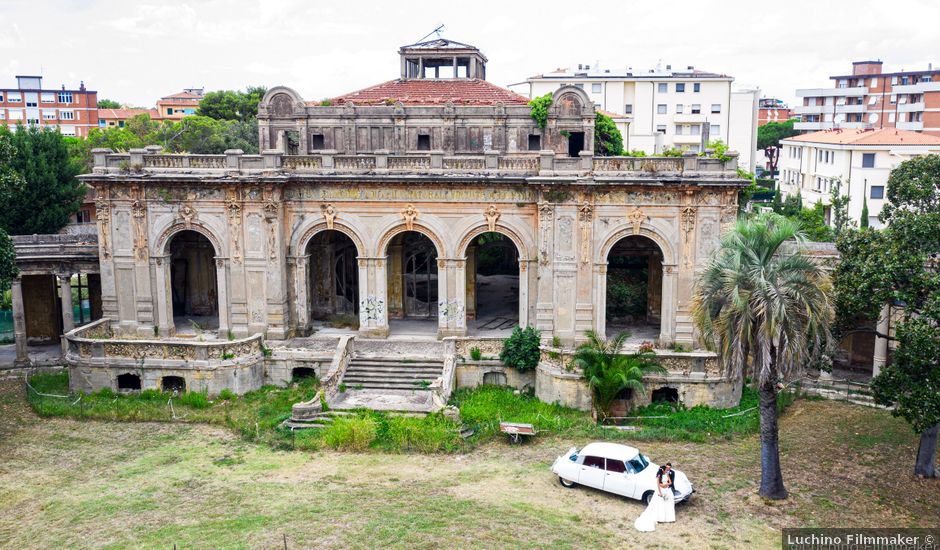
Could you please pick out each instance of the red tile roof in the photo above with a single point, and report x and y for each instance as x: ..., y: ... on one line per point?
x: 881, y: 136
x: 432, y: 92
x: 183, y: 95
x: 124, y: 114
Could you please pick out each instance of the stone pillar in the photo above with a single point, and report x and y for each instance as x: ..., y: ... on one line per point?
x: 162, y: 283
x: 301, y: 284
x: 881, y: 344
x: 452, y: 281
x: 667, y: 330
x: 19, y: 324
x: 470, y: 278
x: 600, y: 299
x: 65, y: 295
x: 68, y: 314
x: 222, y: 295
x: 396, y: 292
x: 524, y: 266
x: 373, y: 313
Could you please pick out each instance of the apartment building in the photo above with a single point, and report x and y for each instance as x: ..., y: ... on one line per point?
x: 178, y: 106
x: 861, y: 159
x: 664, y: 108
x: 870, y: 98
x: 116, y: 118
x: 771, y: 109
x: 74, y: 112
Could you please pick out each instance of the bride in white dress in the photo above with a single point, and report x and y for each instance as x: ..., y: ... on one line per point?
x: 662, y: 505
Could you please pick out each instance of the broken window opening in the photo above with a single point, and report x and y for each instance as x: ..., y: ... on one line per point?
x: 575, y: 144
x: 666, y: 395
x: 173, y: 384
x: 333, y: 279
x: 424, y: 142
x: 317, y: 142
x: 535, y: 142
x: 128, y: 381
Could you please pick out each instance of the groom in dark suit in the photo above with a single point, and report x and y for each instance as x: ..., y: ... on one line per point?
x: 671, y: 474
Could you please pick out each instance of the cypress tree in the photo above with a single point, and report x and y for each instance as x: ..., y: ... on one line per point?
x: 864, y: 221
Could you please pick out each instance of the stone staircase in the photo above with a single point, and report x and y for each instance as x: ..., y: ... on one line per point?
x: 392, y: 373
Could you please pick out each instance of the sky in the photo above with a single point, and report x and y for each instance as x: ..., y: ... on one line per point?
x: 136, y: 51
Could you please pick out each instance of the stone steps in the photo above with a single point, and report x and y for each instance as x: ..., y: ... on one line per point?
x: 392, y: 373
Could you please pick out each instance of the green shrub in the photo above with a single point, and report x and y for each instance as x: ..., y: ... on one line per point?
x: 539, y: 109
x: 226, y: 394
x: 350, y: 434
x: 521, y: 349
x: 195, y: 399
x: 476, y: 354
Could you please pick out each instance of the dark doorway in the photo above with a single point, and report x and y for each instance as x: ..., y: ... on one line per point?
x: 634, y: 288
x: 412, y: 276
x: 575, y: 144
x: 174, y: 384
x: 492, y: 283
x: 333, y: 279
x: 193, y: 282
x: 128, y: 381
x: 666, y: 395
x: 302, y: 373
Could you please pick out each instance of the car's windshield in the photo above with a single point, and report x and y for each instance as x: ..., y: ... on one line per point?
x: 638, y: 463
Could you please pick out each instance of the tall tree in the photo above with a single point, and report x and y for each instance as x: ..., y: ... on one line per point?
x: 11, y: 184
x: 108, y: 104
x: 863, y: 219
x: 608, y: 142
x: 232, y: 105
x: 899, y: 265
x: 761, y: 307
x: 50, y: 193
x: 768, y: 139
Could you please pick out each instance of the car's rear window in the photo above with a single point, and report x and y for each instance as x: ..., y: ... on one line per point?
x: 616, y: 466
x: 594, y: 461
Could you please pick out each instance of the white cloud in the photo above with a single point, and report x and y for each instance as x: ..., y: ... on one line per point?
x: 137, y: 52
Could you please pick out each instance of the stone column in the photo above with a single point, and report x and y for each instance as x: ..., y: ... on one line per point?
x: 600, y: 299
x: 524, y: 266
x: 161, y: 268
x: 301, y: 284
x: 470, y: 282
x: 65, y: 295
x: 396, y: 293
x: 222, y: 289
x: 19, y: 324
x: 667, y: 330
x: 881, y: 344
x: 452, y: 280
x: 373, y: 301
x: 68, y: 314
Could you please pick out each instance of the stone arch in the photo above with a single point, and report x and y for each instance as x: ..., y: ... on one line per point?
x: 418, y: 227
x: 280, y: 102
x: 163, y: 242
x: 670, y: 260
x: 305, y: 232
x: 646, y: 230
x: 571, y: 101
x: 502, y: 228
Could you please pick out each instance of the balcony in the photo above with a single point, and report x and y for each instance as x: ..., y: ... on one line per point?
x: 152, y: 164
x: 918, y: 88
x: 812, y: 109
x: 911, y: 107
x: 688, y: 117
x: 858, y: 91
x: 818, y: 125
x: 850, y: 108
x: 914, y: 126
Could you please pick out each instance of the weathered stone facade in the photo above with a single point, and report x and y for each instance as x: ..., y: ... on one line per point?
x: 402, y: 185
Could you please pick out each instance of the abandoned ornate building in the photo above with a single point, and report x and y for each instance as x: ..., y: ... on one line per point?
x: 417, y: 218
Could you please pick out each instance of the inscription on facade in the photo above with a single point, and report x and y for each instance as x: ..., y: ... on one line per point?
x: 412, y: 194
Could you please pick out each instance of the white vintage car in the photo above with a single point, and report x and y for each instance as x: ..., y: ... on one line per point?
x: 618, y: 469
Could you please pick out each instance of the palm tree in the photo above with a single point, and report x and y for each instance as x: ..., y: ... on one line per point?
x: 759, y: 306
x: 608, y: 371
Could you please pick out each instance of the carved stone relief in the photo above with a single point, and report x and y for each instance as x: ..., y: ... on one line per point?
x: 409, y: 214
x: 491, y: 215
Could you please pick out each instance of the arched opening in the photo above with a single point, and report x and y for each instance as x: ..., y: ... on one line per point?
x: 665, y: 395
x: 299, y: 374
x: 128, y: 381
x: 174, y: 384
x: 492, y: 284
x: 635, y: 288
x: 495, y: 378
x: 412, y: 283
x: 193, y: 283
x: 333, y: 280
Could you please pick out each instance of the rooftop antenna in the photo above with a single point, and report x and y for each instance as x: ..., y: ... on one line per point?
x: 436, y: 31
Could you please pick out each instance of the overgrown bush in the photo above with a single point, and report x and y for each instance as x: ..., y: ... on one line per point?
x: 521, y: 349
x: 539, y: 106
x: 350, y: 434
x: 476, y: 354
x: 195, y: 399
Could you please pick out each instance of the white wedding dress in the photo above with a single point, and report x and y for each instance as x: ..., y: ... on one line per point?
x: 647, y: 520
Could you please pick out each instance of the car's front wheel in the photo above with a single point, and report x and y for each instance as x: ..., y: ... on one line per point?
x: 565, y: 483
x: 647, y: 496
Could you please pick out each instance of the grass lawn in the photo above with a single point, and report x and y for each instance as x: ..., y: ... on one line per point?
x: 77, y: 484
